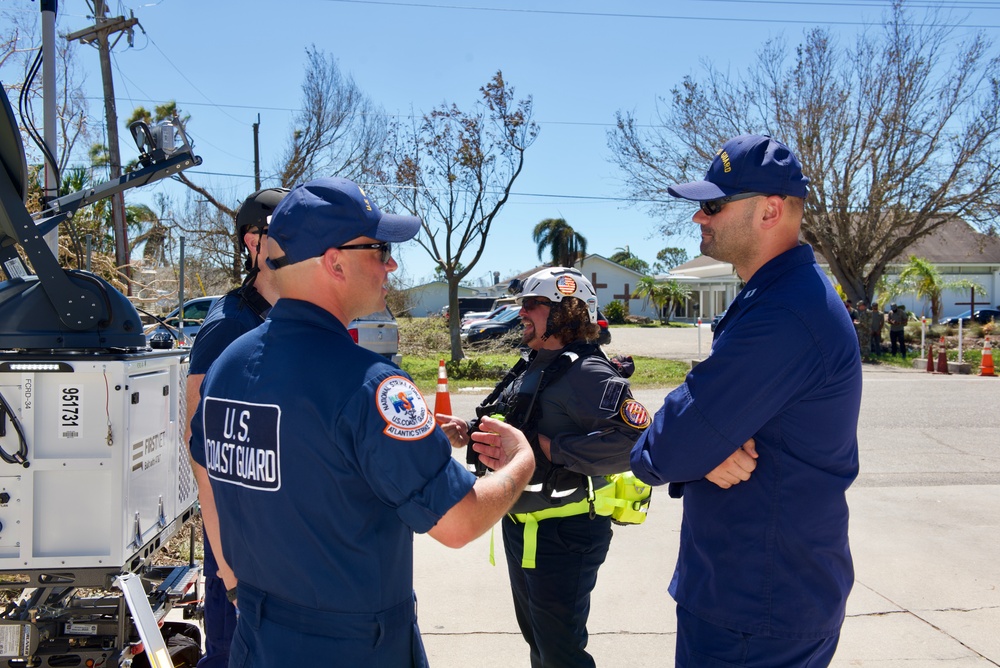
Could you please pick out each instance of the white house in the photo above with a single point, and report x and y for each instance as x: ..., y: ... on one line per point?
x: 614, y: 282
x: 713, y: 286
x: 432, y: 297
x: 956, y: 250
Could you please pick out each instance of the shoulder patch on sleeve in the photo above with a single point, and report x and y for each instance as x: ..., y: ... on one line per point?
x: 403, y: 408
x: 635, y: 414
x: 613, y: 390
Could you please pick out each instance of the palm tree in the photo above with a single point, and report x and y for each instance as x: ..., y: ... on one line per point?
x: 676, y: 294
x: 661, y: 295
x: 565, y: 245
x: 925, y: 280
x: 626, y: 258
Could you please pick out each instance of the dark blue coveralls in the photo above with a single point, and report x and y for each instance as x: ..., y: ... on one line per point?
x: 230, y: 317
x: 324, y: 459
x: 765, y: 566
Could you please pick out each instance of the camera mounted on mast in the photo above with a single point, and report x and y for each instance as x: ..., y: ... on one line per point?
x: 51, y: 308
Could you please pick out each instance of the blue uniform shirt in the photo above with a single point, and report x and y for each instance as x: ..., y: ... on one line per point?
x: 229, y: 318
x: 769, y: 555
x: 324, y: 459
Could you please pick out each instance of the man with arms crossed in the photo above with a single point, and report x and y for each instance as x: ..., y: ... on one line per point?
x: 764, y: 568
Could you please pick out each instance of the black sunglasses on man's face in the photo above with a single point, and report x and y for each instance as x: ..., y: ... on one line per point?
x: 714, y: 206
x: 384, y: 247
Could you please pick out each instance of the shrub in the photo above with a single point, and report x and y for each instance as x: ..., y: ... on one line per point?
x: 614, y: 312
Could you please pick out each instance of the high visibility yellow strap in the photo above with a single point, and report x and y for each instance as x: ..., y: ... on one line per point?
x: 530, y: 543
x: 604, y: 503
x: 493, y: 560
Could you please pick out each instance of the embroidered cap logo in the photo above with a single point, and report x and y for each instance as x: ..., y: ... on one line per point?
x: 727, y: 166
x: 368, y: 205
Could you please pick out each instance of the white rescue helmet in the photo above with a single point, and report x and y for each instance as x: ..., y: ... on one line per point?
x: 555, y: 284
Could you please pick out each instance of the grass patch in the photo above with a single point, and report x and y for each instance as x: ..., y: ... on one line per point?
x: 424, y: 342
x: 487, y: 370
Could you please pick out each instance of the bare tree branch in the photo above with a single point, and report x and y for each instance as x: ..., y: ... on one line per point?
x: 898, y: 132
x: 456, y: 170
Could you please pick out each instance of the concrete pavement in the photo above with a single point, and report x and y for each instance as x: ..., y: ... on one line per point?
x: 925, y: 533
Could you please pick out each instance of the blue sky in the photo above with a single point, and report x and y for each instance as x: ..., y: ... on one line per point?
x: 226, y: 61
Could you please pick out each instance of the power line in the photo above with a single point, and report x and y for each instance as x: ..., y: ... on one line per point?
x: 184, y: 76
x: 594, y: 198
x: 622, y: 15
x: 184, y: 105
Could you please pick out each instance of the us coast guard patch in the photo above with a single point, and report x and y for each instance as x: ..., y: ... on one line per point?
x: 635, y: 414
x: 242, y: 443
x: 403, y: 408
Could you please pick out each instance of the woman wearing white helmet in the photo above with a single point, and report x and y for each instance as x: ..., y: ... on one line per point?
x: 581, y: 420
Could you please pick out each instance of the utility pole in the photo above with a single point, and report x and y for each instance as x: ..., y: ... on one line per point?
x: 256, y: 154
x: 49, y: 66
x: 100, y: 32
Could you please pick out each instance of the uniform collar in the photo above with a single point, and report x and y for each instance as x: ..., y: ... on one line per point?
x: 303, y: 312
x: 774, y: 268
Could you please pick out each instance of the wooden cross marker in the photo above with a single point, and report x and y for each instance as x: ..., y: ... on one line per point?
x: 625, y: 297
x: 593, y: 281
x: 971, y: 303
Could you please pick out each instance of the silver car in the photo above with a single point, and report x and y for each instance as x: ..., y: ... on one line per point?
x: 379, y: 333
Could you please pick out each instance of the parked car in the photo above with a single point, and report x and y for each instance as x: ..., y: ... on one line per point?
x: 379, y: 333
x: 716, y: 320
x: 982, y: 316
x: 476, y: 316
x: 509, y: 320
x: 472, y: 317
x: 602, y: 322
x: 195, y: 310
x: 504, y: 323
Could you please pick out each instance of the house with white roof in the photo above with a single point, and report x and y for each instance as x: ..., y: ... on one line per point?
x: 956, y: 249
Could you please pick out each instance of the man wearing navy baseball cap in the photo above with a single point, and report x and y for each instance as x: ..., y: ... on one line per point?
x: 324, y: 458
x: 761, y: 439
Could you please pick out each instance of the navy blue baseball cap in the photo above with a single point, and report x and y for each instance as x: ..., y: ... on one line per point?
x: 747, y: 164
x: 329, y: 212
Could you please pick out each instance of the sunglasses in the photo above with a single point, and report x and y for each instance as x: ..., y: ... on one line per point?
x: 529, y: 303
x: 714, y: 206
x: 384, y: 247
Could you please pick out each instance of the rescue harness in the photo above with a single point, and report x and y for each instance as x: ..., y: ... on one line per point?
x: 624, y: 498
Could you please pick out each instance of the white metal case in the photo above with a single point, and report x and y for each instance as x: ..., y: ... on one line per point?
x: 108, y: 475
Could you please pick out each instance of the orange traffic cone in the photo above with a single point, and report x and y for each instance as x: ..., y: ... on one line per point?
x: 442, y: 400
x: 986, y: 367
x: 942, y: 363
x: 930, y: 359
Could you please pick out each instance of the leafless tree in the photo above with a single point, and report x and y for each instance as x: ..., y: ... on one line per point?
x: 898, y: 133
x: 211, y: 245
x: 455, y: 170
x: 18, y: 50
x: 338, y: 131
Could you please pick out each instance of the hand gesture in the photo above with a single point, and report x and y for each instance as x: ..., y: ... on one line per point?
x: 499, y: 444
x: 456, y: 429
x: 737, y: 467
